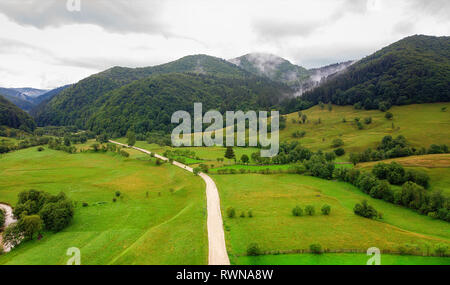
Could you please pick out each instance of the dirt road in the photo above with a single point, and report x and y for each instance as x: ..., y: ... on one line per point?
x: 216, y: 237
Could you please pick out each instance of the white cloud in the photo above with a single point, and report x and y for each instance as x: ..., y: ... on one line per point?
x: 43, y: 45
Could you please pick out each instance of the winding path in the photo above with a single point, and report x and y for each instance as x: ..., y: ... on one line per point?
x: 216, y: 237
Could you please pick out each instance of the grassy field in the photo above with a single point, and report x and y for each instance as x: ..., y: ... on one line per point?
x: 340, y: 259
x: 272, y: 197
x: 422, y: 125
x: 437, y: 166
x: 208, y: 155
x: 167, y: 226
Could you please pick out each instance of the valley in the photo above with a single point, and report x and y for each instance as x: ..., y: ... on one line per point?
x: 363, y: 162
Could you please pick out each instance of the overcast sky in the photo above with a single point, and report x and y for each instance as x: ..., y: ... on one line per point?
x: 44, y: 45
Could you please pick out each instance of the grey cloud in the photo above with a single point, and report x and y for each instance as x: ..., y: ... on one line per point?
x: 9, y: 46
x: 103, y: 63
x: 404, y: 28
x: 436, y: 8
x: 269, y: 29
x: 120, y: 16
x: 318, y: 56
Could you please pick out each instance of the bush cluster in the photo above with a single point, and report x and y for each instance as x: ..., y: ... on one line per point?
x: 411, y: 195
x: 392, y: 148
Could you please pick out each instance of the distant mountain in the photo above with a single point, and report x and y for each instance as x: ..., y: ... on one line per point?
x: 415, y: 69
x: 74, y: 105
x: 28, y: 98
x: 21, y: 100
x: 31, y: 92
x: 281, y: 70
x: 13, y: 117
x: 273, y: 67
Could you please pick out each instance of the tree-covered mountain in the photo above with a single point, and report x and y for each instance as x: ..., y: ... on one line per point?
x: 149, y: 103
x: 73, y: 106
x: 90, y: 103
x: 13, y: 117
x: 415, y: 69
x: 273, y: 67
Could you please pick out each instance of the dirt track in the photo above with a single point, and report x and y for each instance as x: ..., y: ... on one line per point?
x: 216, y: 237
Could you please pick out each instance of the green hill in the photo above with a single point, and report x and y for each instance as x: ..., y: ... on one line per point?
x: 77, y: 104
x: 148, y: 104
x: 12, y: 116
x: 415, y: 69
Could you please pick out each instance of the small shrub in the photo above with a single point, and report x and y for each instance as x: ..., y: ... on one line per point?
x: 250, y: 214
x: 309, y: 210
x: 297, y: 211
x: 85, y: 204
x: 365, y: 210
x: 40, y: 149
x: 242, y: 214
x: 389, y: 115
x: 326, y: 209
x: 339, y: 151
x: 231, y: 212
x: 337, y: 143
x: 440, y: 249
x: 253, y: 250
x: 118, y: 193
x: 316, y: 248
x: 368, y: 120
x: 114, y: 200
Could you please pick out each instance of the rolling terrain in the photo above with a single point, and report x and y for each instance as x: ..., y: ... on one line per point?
x: 153, y: 222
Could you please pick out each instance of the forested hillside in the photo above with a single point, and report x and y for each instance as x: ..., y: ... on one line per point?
x: 273, y: 67
x: 12, y: 116
x: 413, y: 70
x: 73, y: 106
x: 148, y: 104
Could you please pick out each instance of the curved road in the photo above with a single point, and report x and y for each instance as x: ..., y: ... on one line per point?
x: 216, y: 237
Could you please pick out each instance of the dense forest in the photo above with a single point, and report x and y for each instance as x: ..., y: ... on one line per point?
x: 74, y: 105
x: 148, y: 104
x: 12, y: 116
x: 413, y: 70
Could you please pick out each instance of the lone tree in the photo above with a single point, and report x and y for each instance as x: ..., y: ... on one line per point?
x: 229, y: 153
x: 304, y: 118
x: 330, y: 107
x: 389, y: 115
x: 244, y: 158
x: 131, y: 138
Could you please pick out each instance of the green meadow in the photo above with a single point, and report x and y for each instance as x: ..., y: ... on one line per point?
x: 422, y: 125
x: 271, y: 199
x: 159, y: 219
x: 340, y: 259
